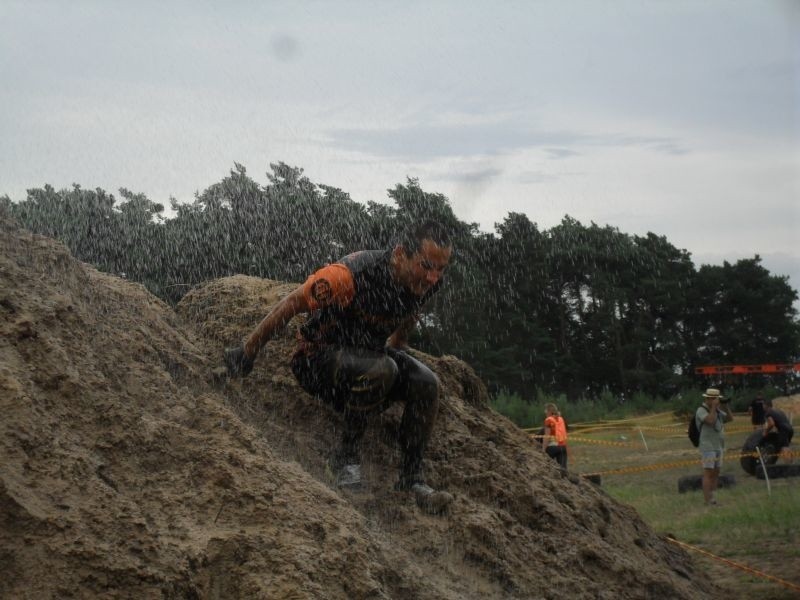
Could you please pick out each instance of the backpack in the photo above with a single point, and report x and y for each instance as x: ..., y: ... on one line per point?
x: 694, y: 431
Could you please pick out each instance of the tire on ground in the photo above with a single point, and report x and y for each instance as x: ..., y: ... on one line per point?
x: 749, y: 462
x: 779, y: 471
x: 690, y: 483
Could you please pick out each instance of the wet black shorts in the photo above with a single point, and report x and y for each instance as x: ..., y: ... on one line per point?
x: 356, y: 379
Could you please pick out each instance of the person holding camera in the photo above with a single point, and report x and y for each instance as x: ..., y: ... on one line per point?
x: 711, y: 417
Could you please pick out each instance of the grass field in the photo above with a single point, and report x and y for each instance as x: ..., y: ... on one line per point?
x: 749, y: 526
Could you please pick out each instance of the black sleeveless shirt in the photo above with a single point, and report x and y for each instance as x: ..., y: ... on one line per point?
x: 377, y: 308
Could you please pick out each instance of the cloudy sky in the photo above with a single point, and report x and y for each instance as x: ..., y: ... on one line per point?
x: 680, y: 118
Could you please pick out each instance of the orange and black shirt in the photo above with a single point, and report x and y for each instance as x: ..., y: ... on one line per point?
x: 356, y: 302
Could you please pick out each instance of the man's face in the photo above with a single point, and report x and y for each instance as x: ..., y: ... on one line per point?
x: 423, y: 269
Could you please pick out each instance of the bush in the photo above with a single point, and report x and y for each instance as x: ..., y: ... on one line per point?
x: 529, y: 412
x: 523, y: 413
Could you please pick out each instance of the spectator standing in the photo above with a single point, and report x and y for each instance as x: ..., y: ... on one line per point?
x: 756, y: 411
x: 710, y: 418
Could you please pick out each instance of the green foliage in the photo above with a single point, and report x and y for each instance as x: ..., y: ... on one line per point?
x: 579, y: 315
x: 740, y: 312
x: 529, y: 413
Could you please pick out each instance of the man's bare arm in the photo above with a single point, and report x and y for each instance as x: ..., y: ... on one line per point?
x: 711, y: 417
x: 728, y: 412
x: 279, y: 316
x: 769, y: 425
x: 399, y: 339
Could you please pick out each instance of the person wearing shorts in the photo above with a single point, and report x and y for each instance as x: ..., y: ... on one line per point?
x: 711, y: 417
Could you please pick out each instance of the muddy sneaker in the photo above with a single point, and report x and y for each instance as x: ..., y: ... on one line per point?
x: 431, y: 501
x: 349, y: 477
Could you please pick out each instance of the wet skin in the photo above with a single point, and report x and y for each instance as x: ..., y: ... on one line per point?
x: 423, y: 269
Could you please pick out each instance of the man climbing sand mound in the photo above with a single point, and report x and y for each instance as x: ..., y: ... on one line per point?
x: 352, y: 350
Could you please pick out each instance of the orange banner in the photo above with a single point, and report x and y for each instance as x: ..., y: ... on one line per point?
x: 746, y: 369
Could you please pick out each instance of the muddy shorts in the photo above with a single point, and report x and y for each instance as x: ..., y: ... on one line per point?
x: 360, y: 380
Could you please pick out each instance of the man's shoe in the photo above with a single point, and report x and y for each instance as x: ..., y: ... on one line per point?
x: 431, y: 501
x: 349, y: 477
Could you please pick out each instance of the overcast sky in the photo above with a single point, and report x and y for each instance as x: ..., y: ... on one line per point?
x: 680, y: 118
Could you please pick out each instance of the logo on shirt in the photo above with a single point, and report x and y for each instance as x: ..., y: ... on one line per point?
x: 321, y: 291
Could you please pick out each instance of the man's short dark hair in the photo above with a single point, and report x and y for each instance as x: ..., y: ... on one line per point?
x: 429, y: 230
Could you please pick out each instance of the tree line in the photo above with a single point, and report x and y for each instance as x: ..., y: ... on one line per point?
x: 578, y: 309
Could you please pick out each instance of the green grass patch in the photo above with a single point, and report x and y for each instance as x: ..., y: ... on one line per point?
x: 749, y: 526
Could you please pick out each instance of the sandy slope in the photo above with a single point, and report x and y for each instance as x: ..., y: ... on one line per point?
x: 127, y: 472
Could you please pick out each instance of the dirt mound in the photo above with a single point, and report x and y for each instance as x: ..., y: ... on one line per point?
x: 126, y: 472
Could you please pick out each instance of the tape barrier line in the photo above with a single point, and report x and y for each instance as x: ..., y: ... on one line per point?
x: 585, y: 440
x: 580, y: 440
x: 676, y: 428
x: 620, y: 427
x: 644, y: 468
x: 736, y: 565
x: 630, y: 423
x: 611, y: 422
x: 672, y: 465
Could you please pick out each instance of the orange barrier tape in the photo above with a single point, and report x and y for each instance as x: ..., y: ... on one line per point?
x: 643, y: 468
x: 739, y: 429
x: 610, y: 428
x: 584, y: 440
x: 611, y: 422
x: 745, y: 369
x: 737, y: 565
x: 538, y: 439
x: 677, y: 427
x: 672, y: 465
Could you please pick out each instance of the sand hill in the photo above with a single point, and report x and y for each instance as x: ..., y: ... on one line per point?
x: 127, y: 471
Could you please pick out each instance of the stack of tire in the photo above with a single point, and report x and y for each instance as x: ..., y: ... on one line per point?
x: 749, y: 460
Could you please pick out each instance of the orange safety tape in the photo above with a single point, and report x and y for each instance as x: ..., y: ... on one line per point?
x: 634, y: 428
x: 583, y: 440
x: 739, y: 429
x: 538, y: 438
x: 642, y: 468
x: 737, y: 565
x: 670, y: 428
x: 616, y: 423
x: 610, y: 422
x: 610, y: 428
x: 621, y: 426
x: 671, y: 465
